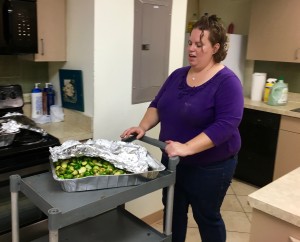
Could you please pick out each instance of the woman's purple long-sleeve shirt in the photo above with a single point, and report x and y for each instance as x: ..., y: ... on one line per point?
x: 215, y: 108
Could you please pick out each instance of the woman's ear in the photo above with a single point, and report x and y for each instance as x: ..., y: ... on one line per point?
x: 216, y: 48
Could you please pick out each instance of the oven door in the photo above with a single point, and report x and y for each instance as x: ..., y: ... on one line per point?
x: 33, y: 223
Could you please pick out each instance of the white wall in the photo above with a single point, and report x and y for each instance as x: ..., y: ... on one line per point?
x: 113, y: 45
x: 80, y: 50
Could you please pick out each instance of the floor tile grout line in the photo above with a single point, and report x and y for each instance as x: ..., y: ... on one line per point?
x: 243, y: 211
x: 236, y: 196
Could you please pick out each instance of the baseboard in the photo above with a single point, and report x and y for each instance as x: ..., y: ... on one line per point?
x: 154, y: 217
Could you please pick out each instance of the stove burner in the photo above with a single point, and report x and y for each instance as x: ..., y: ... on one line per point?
x: 11, y: 97
x: 28, y: 137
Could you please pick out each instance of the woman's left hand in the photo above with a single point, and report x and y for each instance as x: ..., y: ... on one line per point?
x: 174, y: 148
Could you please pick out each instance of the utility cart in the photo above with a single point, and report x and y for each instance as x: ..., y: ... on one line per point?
x: 96, y: 215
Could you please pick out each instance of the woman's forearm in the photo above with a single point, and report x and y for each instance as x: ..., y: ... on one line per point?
x: 150, y: 119
x: 199, y: 143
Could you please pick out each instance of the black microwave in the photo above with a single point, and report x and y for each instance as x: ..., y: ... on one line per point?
x: 18, y: 27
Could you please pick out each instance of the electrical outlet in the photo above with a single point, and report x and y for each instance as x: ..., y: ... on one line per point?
x: 27, y: 97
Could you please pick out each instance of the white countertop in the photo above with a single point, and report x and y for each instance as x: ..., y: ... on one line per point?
x: 281, y: 198
x: 76, y: 125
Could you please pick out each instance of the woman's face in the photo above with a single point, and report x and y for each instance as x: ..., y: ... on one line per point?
x: 200, y: 53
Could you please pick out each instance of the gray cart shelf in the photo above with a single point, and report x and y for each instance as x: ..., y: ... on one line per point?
x: 93, y: 215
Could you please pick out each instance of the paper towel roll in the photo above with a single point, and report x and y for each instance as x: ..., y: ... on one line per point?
x: 258, y: 84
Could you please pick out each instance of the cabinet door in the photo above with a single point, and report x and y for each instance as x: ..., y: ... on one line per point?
x: 287, y: 156
x: 274, y: 31
x: 51, y: 30
x: 267, y: 228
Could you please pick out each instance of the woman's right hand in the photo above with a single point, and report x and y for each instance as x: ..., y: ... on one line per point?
x: 133, y: 130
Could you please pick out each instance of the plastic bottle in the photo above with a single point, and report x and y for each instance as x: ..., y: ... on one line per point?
x: 269, y: 84
x: 50, y: 97
x: 36, y: 102
x: 45, y: 91
x: 279, y: 94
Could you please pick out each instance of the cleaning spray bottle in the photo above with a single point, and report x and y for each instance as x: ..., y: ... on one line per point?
x: 268, y: 86
x: 36, y: 102
x: 279, y: 93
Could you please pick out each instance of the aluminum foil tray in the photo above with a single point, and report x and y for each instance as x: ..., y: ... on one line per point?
x: 103, y: 181
x: 131, y: 157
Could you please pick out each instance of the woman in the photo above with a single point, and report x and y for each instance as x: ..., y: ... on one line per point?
x: 199, y: 108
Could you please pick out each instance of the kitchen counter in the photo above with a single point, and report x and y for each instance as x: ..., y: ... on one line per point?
x: 76, y: 125
x: 293, y: 102
x: 276, y: 213
x: 281, y: 198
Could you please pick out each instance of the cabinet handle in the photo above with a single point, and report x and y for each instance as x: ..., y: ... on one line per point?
x: 42, y: 47
x: 296, y: 54
x: 292, y: 239
x: 145, y: 46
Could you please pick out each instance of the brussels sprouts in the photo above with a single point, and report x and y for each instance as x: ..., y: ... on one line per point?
x: 77, y: 167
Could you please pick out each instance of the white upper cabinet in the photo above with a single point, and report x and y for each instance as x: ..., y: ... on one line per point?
x: 274, y: 33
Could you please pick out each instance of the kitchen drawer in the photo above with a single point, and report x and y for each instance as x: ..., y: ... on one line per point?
x: 290, y: 124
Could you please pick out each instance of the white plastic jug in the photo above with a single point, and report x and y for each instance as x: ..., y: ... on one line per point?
x: 279, y: 94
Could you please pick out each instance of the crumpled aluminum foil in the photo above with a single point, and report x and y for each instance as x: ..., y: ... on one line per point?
x: 128, y: 156
x: 9, y: 127
x: 13, y: 122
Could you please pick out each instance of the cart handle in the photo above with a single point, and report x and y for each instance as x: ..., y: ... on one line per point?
x: 162, y: 145
x: 146, y: 139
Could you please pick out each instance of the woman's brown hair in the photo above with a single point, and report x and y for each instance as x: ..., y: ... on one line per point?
x: 217, y: 34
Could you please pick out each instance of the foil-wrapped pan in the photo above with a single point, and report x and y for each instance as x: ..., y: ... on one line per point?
x: 13, y: 122
x: 128, y: 156
x: 131, y: 157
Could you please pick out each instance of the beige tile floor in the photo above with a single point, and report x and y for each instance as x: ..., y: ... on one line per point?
x: 236, y: 213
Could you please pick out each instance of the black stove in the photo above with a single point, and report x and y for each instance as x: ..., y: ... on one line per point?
x: 27, y: 155
x: 29, y: 148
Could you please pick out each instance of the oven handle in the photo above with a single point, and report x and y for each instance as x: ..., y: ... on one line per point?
x: 14, y: 190
x: 4, y: 177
